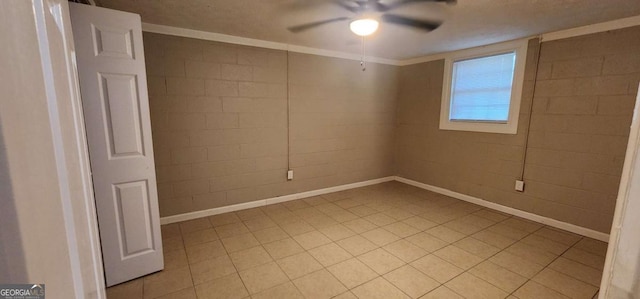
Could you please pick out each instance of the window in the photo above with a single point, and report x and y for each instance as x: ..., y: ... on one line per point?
x: 482, y: 89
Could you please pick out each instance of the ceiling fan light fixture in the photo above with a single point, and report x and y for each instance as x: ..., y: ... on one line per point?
x: 364, y: 27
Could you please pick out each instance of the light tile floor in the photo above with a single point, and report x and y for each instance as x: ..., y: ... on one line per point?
x: 383, y: 241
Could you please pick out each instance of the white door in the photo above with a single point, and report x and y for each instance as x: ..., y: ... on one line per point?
x: 113, y: 86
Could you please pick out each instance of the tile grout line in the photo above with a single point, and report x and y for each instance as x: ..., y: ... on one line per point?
x: 275, y: 261
x: 428, y: 253
x: 229, y: 255
x: 422, y: 231
x: 502, y: 250
x: 193, y: 283
x: 380, y: 247
x: 399, y: 204
x: 519, y: 240
x: 292, y: 237
x: 561, y: 255
x: 465, y: 271
x: 306, y: 251
x: 353, y: 256
x: 531, y: 279
x: 545, y: 267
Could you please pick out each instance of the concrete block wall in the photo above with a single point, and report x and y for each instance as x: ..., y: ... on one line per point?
x: 584, y: 98
x: 478, y: 164
x: 219, y: 122
x: 582, y: 112
x: 219, y: 118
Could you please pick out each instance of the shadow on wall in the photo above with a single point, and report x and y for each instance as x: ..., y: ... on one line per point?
x: 12, y: 269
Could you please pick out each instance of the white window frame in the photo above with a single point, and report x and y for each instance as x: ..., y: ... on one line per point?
x: 511, y: 125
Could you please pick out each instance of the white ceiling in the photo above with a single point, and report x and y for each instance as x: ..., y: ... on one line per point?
x: 469, y: 23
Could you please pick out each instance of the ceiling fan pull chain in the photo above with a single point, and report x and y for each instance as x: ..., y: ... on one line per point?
x: 362, y: 63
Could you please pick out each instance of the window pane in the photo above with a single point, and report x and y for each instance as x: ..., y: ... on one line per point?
x: 481, y: 88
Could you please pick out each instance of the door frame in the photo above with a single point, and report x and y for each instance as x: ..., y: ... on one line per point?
x: 623, y: 247
x: 59, y: 70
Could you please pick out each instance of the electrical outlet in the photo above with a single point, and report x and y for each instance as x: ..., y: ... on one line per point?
x: 290, y: 175
x: 519, y: 185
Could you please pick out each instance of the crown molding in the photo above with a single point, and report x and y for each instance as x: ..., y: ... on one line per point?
x: 423, y: 59
x: 594, y: 28
x: 440, y: 56
x: 244, y: 41
x: 545, y: 37
x: 231, y: 39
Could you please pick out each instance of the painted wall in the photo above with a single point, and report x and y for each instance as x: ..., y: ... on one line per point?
x: 584, y: 97
x: 219, y: 118
x: 219, y: 115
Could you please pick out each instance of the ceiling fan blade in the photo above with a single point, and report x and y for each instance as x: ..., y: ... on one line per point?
x: 420, y: 24
x: 403, y: 2
x: 343, y: 4
x: 362, y: 5
x: 352, y: 6
x: 302, y: 4
x: 299, y: 28
x: 379, y: 7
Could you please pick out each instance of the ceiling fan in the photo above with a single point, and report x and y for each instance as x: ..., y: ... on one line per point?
x: 368, y: 12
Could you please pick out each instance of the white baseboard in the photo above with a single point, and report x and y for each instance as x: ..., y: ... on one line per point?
x: 274, y: 200
x: 269, y: 201
x: 498, y: 207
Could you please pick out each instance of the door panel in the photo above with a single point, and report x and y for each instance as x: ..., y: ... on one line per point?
x: 121, y: 103
x: 113, y: 42
x: 132, y: 200
x: 113, y: 85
